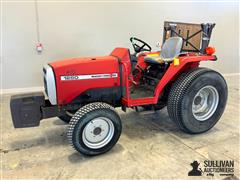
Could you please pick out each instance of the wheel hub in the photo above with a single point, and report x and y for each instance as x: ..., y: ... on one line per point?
x: 205, y: 103
x: 197, y: 100
x: 97, y: 131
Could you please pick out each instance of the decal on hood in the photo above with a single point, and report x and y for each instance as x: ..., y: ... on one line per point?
x: 89, y: 76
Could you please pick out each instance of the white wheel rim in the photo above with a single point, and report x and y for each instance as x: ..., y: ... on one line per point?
x: 98, y: 132
x: 205, y: 103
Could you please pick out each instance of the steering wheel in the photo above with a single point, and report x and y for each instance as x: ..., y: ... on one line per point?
x: 139, y: 47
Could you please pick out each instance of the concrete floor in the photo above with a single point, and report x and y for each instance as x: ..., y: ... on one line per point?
x: 151, y: 146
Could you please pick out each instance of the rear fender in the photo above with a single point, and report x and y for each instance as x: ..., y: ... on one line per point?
x: 173, y: 72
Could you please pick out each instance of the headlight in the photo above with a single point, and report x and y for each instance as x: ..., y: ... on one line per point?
x: 49, y: 84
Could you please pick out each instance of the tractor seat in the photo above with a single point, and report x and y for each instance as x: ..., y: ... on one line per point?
x: 170, y: 49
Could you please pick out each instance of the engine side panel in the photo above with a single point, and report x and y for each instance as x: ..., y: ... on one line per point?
x: 75, y: 76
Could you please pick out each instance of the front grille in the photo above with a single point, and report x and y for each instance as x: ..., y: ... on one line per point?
x: 45, y: 81
x: 49, y: 84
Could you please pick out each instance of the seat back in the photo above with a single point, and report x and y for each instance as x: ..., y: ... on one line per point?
x: 171, y: 48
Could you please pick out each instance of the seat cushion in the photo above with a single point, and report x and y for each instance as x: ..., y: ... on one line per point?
x: 153, y: 59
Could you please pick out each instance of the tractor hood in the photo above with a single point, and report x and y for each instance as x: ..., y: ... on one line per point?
x: 77, y: 75
x: 77, y: 64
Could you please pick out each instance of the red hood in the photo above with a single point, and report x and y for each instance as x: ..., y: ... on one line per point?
x: 77, y: 61
x: 67, y: 90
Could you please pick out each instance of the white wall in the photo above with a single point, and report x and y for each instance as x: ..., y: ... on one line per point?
x: 84, y: 29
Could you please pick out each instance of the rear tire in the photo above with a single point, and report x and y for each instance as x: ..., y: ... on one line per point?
x: 94, y: 129
x: 197, y: 100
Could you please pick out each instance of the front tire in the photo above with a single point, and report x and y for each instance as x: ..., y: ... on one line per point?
x: 197, y: 100
x: 94, y: 129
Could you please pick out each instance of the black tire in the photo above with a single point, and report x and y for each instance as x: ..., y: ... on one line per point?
x: 181, y: 96
x: 83, y: 117
x: 67, y: 117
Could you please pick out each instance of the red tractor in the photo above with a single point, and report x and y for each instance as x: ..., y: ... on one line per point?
x: 84, y: 91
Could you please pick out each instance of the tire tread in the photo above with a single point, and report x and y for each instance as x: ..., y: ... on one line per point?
x: 177, y: 93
